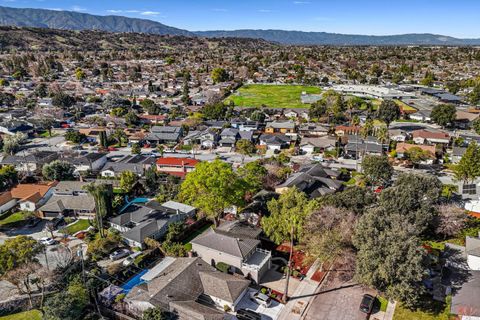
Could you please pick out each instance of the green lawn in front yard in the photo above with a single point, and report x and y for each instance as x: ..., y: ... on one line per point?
x: 81, y: 224
x: 273, y: 96
x: 14, y: 219
x: 436, y: 311
x: 383, y: 303
x: 27, y: 315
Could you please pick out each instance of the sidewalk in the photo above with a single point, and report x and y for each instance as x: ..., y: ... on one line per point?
x: 390, y: 310
x: 301, y: 297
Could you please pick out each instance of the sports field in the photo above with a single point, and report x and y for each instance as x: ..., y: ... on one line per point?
x: 272, y: 96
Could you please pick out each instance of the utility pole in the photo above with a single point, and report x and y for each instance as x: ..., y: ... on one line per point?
x: 289, y: 266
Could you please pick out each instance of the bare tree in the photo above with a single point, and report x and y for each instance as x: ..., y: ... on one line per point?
x: 450, y: 220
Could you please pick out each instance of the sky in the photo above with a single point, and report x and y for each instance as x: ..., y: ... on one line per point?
x: 459, y: 18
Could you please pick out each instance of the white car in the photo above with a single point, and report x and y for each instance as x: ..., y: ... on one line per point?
x: 119, y: 254
x: 130, y: 259
x: 47, y: 241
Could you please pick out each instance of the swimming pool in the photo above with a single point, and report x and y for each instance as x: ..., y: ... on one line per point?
x: 134, y: 281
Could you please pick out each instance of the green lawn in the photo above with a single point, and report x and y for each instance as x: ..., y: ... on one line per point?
x: 436, y: 311
x: 81, y: 224
x: 13, y: 219
x: 27, y: 315
x: 273, y: 96
x: 383, y: 303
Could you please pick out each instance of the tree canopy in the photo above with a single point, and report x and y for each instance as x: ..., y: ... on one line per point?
x: 377, y: 169
x: 388, y: 111
x: 58, y: 170
x: 444, y: 114
x: 468, y: 169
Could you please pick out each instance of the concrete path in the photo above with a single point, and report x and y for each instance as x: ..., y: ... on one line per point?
x: 390, y: 310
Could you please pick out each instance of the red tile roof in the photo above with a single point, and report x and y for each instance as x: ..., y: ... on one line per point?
x: 173, y: 161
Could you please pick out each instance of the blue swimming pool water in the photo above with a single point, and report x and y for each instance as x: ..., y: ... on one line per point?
x: 134, y: 281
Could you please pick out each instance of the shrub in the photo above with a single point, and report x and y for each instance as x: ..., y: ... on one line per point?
x: 226, y: 308
x: 120, y: 297
x: 222, y: 266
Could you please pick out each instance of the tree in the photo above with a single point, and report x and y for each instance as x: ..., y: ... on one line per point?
x: 390, y: 257
x: 216, y: 111
x: 169, y: 189
x: 355, y: 199
x: 63, y: 100
x: 119, y: 135
x: 18, y: 263
x: 150, y: 106
x: 75, y: 136
x: 128, y: 179
x: 80, y: 74
x: 474, y: 96
x: 103, y: 140
x: 8, y: 177
x: 103, y: 196
x: 58, y: 170
x: 212, y: 187
x: 136, y: 149
x: 154, y: 314
x: 62, y: 306
x: 388, y: 111
x: 253, y: 174
x: 450, y: 220
x: 468, y: 169
x: 186, y: 94
x: 245, y: 148
x: 377, y: 169
x: 219, y: 75
x: 328, y: 233
x: 131, y: 118
x: 417, y: 155
x: 289, y: 211
x: 444, y: 114
x: 11, y: 143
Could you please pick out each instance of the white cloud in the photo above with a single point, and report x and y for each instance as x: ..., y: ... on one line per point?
x: 219, y: 10
x: 149, y: 13
x: 301, y: 2
x: 264, y: 10
x: 78, y: 8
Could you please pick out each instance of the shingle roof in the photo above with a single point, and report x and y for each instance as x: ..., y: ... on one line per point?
x: 60, y: 203
x: 222, y: 285
x: 221, y: 242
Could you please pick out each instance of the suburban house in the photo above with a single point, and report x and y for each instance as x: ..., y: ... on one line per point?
x: 347, y: 130
x: 397, y: 135
x: 151, y: 220
x: 229, y: 136
x: 430, y: 137
x: 207, y: 138
x: 275, y: 141
x: 357, y: 146
x: 30, y: 197
x: 465, y: 302
x: 92, y: 134
x: 176, y: 166
x: 137, y: 164
x: 236, y: 244
x: 284, y: 127
x: 7, y: 202
x: 457, y: 154
x: 164, y: 135
x: 30, y: 164
x: 422, y: 116
x: 403, y: 148
x: 11, y: 127
x: 188, y: 287
x: 69, y: 198
x: 90, y: 162
x: 313, y: 179
x: 313, y: 130
x: 320, y: 144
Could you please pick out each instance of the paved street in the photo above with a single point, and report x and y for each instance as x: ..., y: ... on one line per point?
x: 339, y: 301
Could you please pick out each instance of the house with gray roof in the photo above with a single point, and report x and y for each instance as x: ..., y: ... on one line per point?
x: 164, y: 134
x: 237, y: 245
x: 190, y: 288
x: 151, y: 220
x: 137, y: 164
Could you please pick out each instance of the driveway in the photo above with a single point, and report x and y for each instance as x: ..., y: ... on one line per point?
x: 339, y: 301
x: 270, y: 313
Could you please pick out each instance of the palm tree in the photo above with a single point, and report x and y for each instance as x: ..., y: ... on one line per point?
x: 367, y: 128
x: 103, y: 196
x: 119, y: 135
x: 382, y: 135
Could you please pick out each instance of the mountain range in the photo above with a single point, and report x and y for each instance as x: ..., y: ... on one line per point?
x: 70, y: 20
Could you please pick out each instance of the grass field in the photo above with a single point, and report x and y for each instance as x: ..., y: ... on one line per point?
x: 13, y: 219
x: 437, y: 311
x: 273, y: 96
x: 27, y: 315
x: 405, y: 107
x: 80, y: 225
x: 383, y: 303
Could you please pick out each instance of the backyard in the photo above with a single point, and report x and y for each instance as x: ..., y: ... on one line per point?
x: 273, y: 96
x: 79, y: 225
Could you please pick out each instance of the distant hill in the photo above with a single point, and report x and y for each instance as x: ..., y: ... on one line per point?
x: 70, y: 20
x: 324, y: 38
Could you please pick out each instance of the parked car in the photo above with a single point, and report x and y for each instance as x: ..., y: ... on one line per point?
x: 366, y: 305
x: 261, y: 299
x: 130, y: 259
x: 247, y: 314
x: 47, y: 241
x: 119, y: 254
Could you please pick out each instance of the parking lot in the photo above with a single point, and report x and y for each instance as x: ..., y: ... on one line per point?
x: 339, y: 301
x: 270, y: 313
